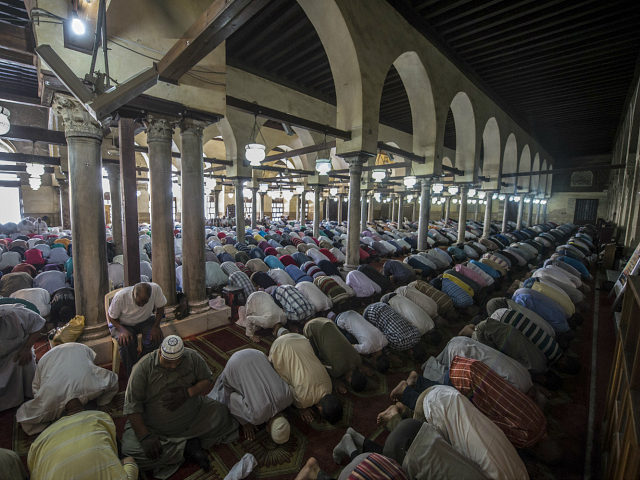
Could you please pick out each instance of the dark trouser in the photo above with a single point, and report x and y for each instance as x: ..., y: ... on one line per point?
x: 397, y: 443
x: 129, y: 353
x: 412, y: 392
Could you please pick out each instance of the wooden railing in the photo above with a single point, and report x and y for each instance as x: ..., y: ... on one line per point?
x: 622, y: 415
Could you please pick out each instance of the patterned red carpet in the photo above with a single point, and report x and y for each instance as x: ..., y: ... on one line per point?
x: 567, y: 412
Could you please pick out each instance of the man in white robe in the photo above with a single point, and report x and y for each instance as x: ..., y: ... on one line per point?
x: 19, y: 329
x: 64, y: 373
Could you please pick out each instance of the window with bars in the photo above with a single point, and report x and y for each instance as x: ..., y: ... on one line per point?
x: 277, y: 208
x: 247, y: 209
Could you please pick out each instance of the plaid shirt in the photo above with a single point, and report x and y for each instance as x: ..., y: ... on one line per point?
x: 532, y: 331
x: 402, y: 335
x: 229, y: 267
x: 512, y: 411
x: 241, y: 280
x: 294, y: 303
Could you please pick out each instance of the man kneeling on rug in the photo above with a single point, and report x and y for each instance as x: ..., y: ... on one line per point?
x: 170, y: 418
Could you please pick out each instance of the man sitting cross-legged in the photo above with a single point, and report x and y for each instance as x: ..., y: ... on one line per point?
x: 293, y: 358
x: 170, y: 418
x: 254, y: 393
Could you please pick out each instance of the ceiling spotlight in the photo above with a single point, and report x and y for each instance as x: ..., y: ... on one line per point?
x: 77, y: 25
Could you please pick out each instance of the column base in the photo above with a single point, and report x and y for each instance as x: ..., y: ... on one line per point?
x: 93, y: 332
x: 169, y: 312
x: 349, y: 268
x: 199, y: 306
x: 194, y: 324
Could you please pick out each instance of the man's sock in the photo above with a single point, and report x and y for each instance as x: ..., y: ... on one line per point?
x: 358, y: 438
x: 344, y: 448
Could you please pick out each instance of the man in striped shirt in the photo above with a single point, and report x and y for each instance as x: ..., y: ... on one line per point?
x: 512, y: 411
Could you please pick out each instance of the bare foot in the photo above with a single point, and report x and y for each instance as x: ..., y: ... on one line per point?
x: 309, y: 471
x: 307, y: 415
x: 255, y: 339
x: 396, y: 393
x: 387, y: 415
x: 413, y: 378
x: 341, y: 388
x: 402, y: 408
x: 249, y: 431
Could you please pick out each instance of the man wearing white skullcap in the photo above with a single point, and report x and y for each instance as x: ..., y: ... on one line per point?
x: 170, y: 417
x: 253, y: 391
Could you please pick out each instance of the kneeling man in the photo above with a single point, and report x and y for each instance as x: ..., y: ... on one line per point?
x: 170, y: 418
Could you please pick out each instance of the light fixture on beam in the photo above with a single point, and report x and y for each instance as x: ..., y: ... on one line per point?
x: 378, y: 174
x: 543, y: 202
x: 287, y: 195
x: 437, y: 188
x: 536, y: 201
x: 323, y: 166
x: 482, y: 194
x: 299, y: 189
x: 516, y: 198
x: 454, y: 200
x: 494, y: 196
x: 453, y: 190
x: 263, y: 187
x: 434, y: 200
x: 333, y: 191
x: 5, y: 124
x: 230, y: 194
x: 501, y: 197
x: 255, y: 152
x: 409, y: 198
x: 410, y: 181
x: 527, y: 200
x: 472, y: 192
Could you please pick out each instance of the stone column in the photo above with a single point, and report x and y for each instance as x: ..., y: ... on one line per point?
x: 328, y: 208
x: 262, y: 206
x: 254, y: 207
x: 462, y: 218
x: 193, y: 270
x: 65, y: 214
x: 239, y: 199
x: 339, y: 209
x: 393, y: 208
x: 414, y: 203
x: 353, y: 216
x: 370, y: 205
x: 486, y: 228
x: 159, y: 135
x: 216, y: 206
x: 400, y: 209
x: 538, y: 213
x: 544, y: 213
x: 447, y: 209
x: 504, y: 214
x: 113, y: 172
x: 303, y: 204
x: 520, y: 209
x: 317, y: 210
x: 425, y: 209
x: 91, y: 282
x: 363, y: 210
x: 530, y: 213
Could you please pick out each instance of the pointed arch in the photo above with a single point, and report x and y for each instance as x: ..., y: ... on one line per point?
x: 524, y: 166
x: 465, y: 124
x: 492, y: 150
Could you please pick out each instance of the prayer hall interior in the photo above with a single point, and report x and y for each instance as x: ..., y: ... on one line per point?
x: 319, y: 239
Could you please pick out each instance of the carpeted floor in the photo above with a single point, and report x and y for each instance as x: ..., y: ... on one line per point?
x: 566, y: 410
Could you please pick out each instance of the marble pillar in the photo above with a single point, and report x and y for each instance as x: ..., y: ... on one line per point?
x: 400, y: 210
x: 327, y: 204
x: 393, y: 208
x: 91, y: 281
x: 159, y: 135
x: 353, y: 215
x: 538, y: 213
x: 239, y: 199
x: 303, y: 205
x: 262, y: 195
x: 254, y: 207
x: 486, y: 228
x: 317, y: 210
x: 462, y: 214
x: 544, y: 213
x: 65, y: 213
x: 520, y: 210
x: 447, y: 210
x: 193, y: 268
x: 504, y: 214
x: 425, y: 209
x: 414, y: 204
x: 113, y: 172
x: 339, y: 209
x: 370, y: 205
x: 363, y: 210
x: 530, y: 213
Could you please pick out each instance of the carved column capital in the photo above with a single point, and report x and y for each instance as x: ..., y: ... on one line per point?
x: 77, y: 121
x: 189, y: 126
x: 159, y: 129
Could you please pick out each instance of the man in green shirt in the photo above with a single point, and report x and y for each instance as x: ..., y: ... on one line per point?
x: 170, y: 418
x: 336, y: 353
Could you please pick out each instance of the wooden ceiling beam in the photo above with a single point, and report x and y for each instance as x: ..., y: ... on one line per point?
x: 219, y: 21
x: 299, y: 151
x: 16, y: 44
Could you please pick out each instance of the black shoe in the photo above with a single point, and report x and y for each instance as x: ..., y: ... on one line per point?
x: 194, y: 452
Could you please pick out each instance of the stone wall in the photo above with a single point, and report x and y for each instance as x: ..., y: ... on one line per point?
x: 561, y: 206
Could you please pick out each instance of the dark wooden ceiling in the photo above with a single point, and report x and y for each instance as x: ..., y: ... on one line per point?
x: 561, y: 68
